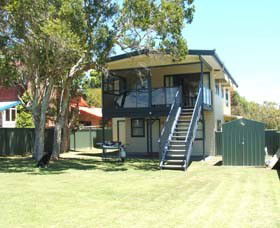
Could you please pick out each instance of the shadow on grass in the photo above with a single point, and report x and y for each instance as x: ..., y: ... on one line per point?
x: 219, y: 163
x: 28, y: 165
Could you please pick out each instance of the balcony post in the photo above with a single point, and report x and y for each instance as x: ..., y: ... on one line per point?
x: 149, y: 88
x: 103, y: 120
x: 202, y: 108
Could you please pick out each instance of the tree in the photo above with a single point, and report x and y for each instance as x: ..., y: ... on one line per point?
x: 56, y: 41
x: 268, y: 112
x: 42, y: 40
x: 24, y: 116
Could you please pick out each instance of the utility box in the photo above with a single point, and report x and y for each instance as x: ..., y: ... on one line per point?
x: 243, y: 143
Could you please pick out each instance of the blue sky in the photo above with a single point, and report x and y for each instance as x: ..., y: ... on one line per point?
x: 246, y: 36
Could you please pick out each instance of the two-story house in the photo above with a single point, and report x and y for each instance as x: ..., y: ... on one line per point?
x: 173, y: 108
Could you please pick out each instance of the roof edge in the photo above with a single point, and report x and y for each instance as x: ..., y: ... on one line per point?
x: 191, y: 52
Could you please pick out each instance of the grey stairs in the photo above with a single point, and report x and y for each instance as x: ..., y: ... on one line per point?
x: 176, y: 153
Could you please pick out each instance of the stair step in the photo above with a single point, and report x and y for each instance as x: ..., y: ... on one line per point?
x: 175, y: 167
x: 182, y: 125
x: 174, y: 162
x: 176, y: 141
x: 178, y: 156
x: 175, y: 150
x: 176, y: 146
x: 176, y: 136
x: 185, y: 117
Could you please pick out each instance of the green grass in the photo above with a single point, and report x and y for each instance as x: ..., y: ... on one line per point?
x: 86, y: 192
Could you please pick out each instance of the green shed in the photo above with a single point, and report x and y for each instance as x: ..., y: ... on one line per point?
x: 243, y: 143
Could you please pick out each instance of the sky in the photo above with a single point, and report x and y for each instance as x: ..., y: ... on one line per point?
x: 246, y: 36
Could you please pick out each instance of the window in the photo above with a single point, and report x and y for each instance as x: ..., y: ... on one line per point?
x: 219, y: 125
x: 169, y: 81
x: 10, y: 114
x: 137, y: 127
x: 13, y: 115
x: 227, y: 97
x: 112, y: 85
x: 217, y: 88
x: 7, y: 115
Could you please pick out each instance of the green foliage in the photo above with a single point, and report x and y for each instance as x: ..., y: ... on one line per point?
x: 268, y: 112
x: 94, y: 97
x: 24, y: 116
x: 94, y: 79
x: 152, y: 24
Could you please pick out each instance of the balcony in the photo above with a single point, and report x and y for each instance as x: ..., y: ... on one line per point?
x: 139, y: 102
x: 145, y: 102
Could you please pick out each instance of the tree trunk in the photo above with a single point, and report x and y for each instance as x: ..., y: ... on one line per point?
x: 65, y: 144
x: 64, y: 105
x: 40, y: 113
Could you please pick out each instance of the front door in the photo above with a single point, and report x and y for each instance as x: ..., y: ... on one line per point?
x: 153, y: 134
x: 121, y: 131
x: 189, y: 84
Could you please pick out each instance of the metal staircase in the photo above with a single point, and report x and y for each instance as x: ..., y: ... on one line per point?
x: 180, y: 127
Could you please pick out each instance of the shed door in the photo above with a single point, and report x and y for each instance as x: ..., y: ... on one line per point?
x: 242, y: 155
x: 243, y: 143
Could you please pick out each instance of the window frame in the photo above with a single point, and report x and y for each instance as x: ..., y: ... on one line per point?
x: 217, y: 88
x: 132, y: 127
x: 10, y: 115
x: 227, y: 97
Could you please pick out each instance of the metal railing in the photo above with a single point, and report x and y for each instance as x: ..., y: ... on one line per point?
x: 169, y: 125
x: 143, y: 98
x: 190, y: 137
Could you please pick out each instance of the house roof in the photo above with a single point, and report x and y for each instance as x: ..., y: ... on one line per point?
x: 8, y: 94
x: 94, y: 112
x: 78, y: 102
x: 8, y: 104
x: 196, y: 52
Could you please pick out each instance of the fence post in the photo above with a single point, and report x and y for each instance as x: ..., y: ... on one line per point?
x: 90, y: 135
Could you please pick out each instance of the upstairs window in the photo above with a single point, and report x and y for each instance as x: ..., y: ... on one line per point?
x: 222, y: 92
x: 217, y: 87
x: 227, y: 97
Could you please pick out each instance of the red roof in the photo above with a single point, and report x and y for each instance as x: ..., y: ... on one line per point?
x: 8, y: 94
x: 78, y: 102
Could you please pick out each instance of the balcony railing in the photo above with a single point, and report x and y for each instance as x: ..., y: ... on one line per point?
x: 141, y: 98
x: 155, y: 98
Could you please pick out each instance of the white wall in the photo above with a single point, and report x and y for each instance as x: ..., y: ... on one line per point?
x: 136, y: 144
x: 11, y: 123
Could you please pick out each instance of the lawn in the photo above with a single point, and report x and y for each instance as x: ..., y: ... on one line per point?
x: 86, y: 192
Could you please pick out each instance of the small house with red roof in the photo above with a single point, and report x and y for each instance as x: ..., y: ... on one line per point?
x: 88, y: 116
x: 8, y: 111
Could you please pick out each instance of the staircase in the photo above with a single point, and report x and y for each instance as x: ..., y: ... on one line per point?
x: 178, y: 134
x: 176, y: 149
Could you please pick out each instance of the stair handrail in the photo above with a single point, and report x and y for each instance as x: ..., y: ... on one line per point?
x: 170, y: 124
x: 191, y: 133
